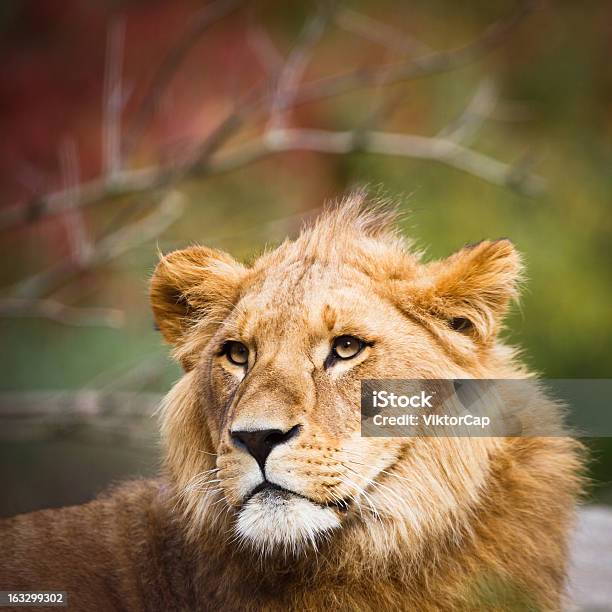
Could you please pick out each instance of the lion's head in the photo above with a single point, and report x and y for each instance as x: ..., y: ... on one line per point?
x: 262, y: 433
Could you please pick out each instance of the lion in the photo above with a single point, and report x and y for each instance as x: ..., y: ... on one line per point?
x: 270, y: 497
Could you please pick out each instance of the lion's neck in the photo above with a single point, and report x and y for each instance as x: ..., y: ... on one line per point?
x: 346, y: 571
x: 342, y: 570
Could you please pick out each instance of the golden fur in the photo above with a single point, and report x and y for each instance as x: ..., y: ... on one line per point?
x: 370, y: 523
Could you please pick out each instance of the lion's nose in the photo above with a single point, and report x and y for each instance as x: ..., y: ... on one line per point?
x: 260, y: 442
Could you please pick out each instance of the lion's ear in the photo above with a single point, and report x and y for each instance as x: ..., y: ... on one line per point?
x: 472, y: 289
x: 190, y: 284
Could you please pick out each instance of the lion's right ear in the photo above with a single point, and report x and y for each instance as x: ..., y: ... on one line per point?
x: 472, y: 289
x: 192, y: 284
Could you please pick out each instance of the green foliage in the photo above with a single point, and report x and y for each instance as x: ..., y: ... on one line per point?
x: 495, y: 593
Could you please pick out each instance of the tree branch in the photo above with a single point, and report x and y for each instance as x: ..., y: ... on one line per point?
x: 110, y: 247
x: 478, y: 110
x: 113, y: 99
x: 53, y: 310
x: 120, y: 415
x: 380, y: 33
x: 433, y: 63
x: 198, y: 25
x: 252, y: 105
x: 437, y: 149
x: 294, y: 68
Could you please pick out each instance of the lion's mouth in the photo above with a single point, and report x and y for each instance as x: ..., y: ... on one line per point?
x: 274, y: 490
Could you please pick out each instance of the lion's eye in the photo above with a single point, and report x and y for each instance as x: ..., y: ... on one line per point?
x: 460, y: 324
x: 236, y: 352
x: 347, y: 347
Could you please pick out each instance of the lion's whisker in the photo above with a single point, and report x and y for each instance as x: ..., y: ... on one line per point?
x: 363, y: 492
x: 379, y: 486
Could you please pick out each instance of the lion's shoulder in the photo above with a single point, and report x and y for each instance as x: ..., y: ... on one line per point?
x: 103, y: 550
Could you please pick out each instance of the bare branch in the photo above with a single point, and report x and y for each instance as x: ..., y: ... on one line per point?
x: 120, y: 415
x: 198, y: 25
x: 433, y: 63
x: 380, y: 33
x: 480, y: 108
x: 252, y: 105
x: 133, y: 377
x: 61, y: 313
x: 437, y: 149
x: 108, y: 248
x: 113, y: 99
x: 163, y: 216
x: 294, y: 68
x: 80, y: 246
x: 269, y: 56
x: 86, y: 403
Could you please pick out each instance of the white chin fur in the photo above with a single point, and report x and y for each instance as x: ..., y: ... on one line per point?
x: 273, y: 520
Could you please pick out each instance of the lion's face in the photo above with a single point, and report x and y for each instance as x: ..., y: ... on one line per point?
x: 263, y: 432
x: 285, y: 369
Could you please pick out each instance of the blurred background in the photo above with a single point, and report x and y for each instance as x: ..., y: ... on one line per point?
x: 131, y: 127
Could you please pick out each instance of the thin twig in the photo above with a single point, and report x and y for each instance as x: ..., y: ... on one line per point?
x: 269, y: 56
x: 202, y: 164
x: 113, y: 98
x: 437, y: 62
x: 108, y: 248
x: 198, y: 25
x: 120, y: 416
x: 61, y: 313
x: 87, y: 403
x: 380, y: 33
x: 479, y: 109
x: 73, y: 219
x: 134, y: 376
x: 293, y: 69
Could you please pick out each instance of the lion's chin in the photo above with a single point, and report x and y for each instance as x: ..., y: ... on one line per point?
x: 274, y: 520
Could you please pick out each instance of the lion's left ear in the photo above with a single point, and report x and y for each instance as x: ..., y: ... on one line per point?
x: 472, y: 289
x: 190, y: 284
